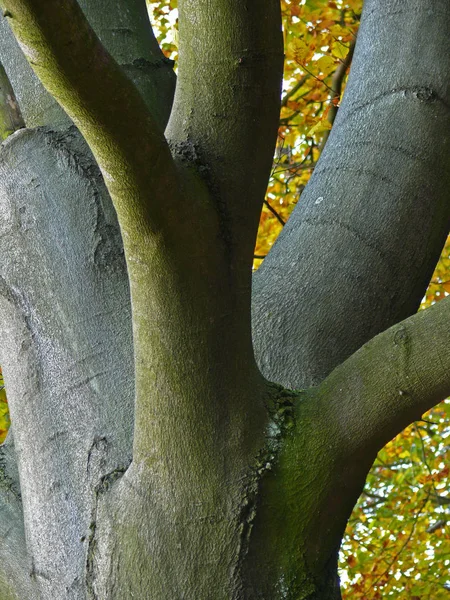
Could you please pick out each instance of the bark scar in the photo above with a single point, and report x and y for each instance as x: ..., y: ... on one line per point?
x: 102, y: 487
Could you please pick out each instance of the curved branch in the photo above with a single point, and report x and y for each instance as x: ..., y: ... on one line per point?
x: 129, y: 38
x: 76, y: 69
x: 363, y: 225
x: 343, y: 423
x: 391, y: 381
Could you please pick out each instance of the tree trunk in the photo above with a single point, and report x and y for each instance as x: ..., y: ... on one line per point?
x: 217, y: 483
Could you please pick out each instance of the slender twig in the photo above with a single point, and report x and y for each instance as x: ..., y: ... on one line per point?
x: 406, y: 542
x: 274, y: 212
x: 424, y: 458
x: 286, y: 120
x: 338, y: 79
x: 373, y: 496
x: 294, y: 90
x: 442, y: 500
x: 429, y: 422
x: 392, y: 465
x: 436, y: 526
x: 315, y: 77
x: 294, y: 167
x: 336, y: 88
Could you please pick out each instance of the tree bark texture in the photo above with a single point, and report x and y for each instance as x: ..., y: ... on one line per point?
x: 378, y: 198
x: 188, y: 473
x: 65, y: 305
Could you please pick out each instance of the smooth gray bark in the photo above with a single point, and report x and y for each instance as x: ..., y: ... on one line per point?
x: 38, y: 107
x: 15, y: 563
x: 125, y: 31
x: 10, y: 116
x: 379, y: 197
x: 66, y: 345
x: 67, y: 348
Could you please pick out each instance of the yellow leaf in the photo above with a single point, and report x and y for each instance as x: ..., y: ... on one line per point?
x: 339, y: 51
x: 298, y: 50
x: 325, y: 64
x: 320, y: 127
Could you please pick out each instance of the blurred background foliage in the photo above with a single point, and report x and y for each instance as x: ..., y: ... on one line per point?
x: 397, y: 542
x: 4, y: 412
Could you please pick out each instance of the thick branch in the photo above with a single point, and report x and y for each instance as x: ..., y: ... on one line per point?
x: 226, y: 106
x: 391, y: 381
x: 128, y: 37
x: 223, y: 127
x: 65, y: 345
x: 15, y: 581
x: 336, y: 432
x: 107, y: 108
x: 359, y: 249
x: 126, y: 33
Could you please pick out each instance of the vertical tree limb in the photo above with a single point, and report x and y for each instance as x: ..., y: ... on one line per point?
x: 65, y: 348
x: 226, y: 108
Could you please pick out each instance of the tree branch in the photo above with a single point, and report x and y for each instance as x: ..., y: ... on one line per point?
x: 66, y: 347
x: 336, y: 86
x: 274, y: 212
x: 294, y: 90
x: 338, y: 79
x: 362, y: 226
x: 76, y: 69
x: 391, y: 381
x: 236, y: 71
x: 349, y: 417
x: 14, y: 564
x: 126, y: 34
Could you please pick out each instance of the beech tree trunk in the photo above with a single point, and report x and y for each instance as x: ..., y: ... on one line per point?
x: 167, y: 441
